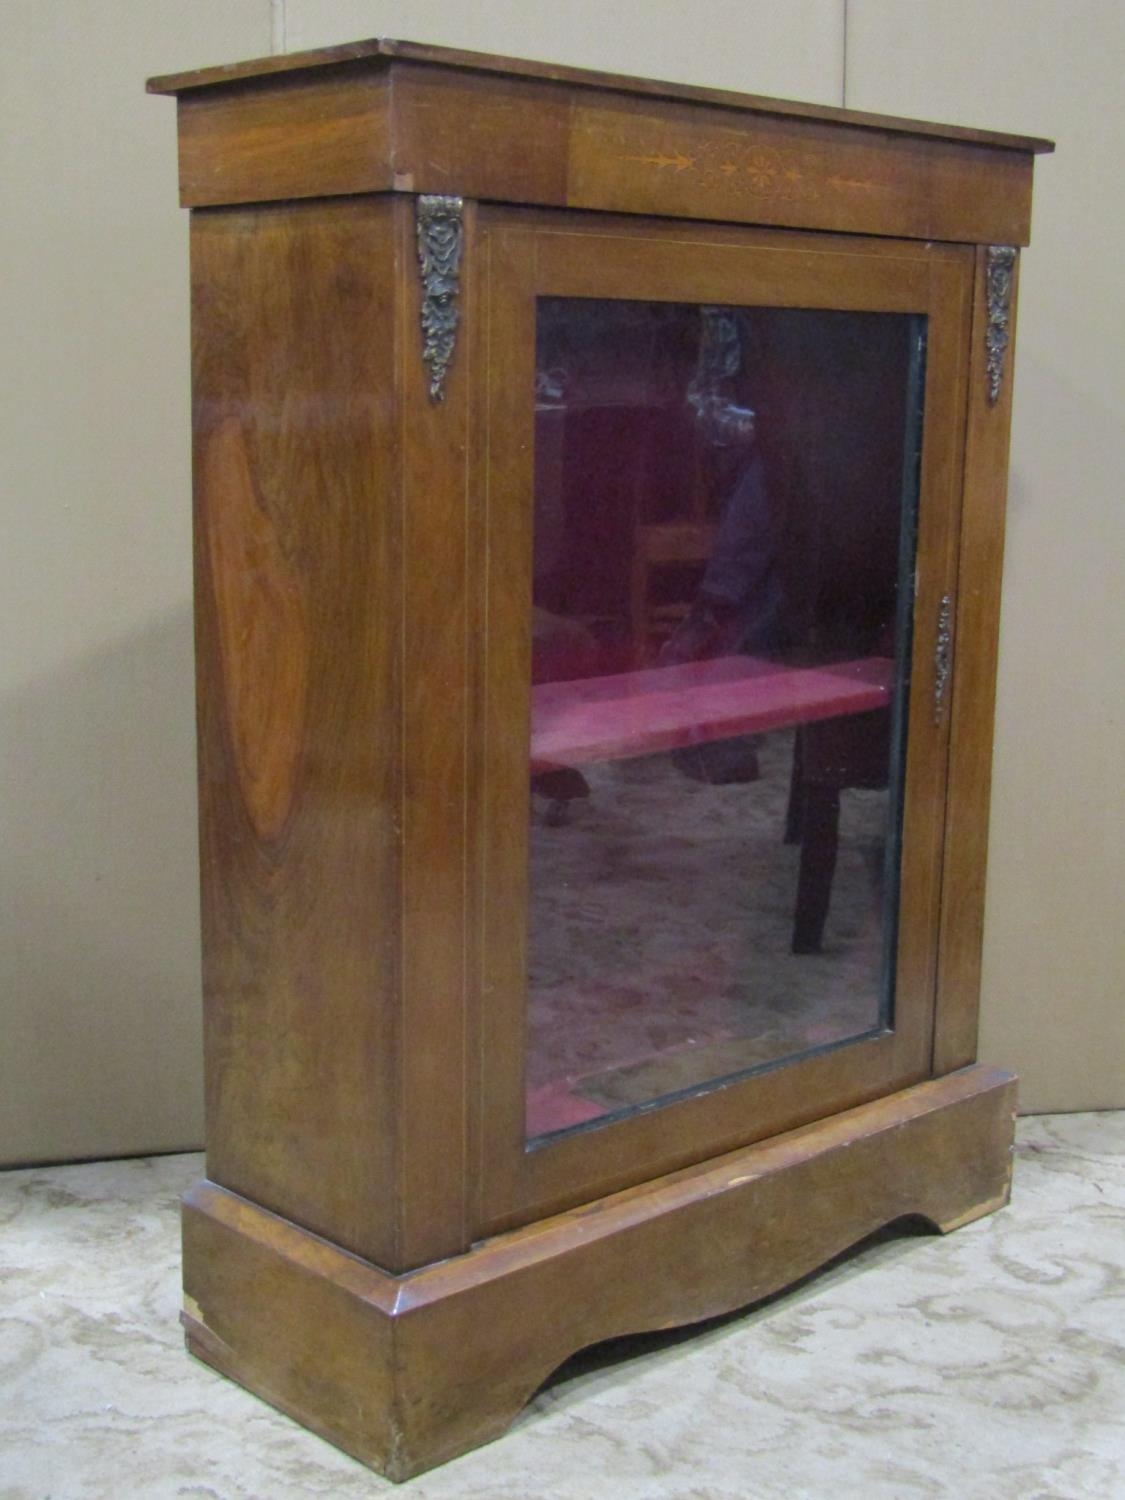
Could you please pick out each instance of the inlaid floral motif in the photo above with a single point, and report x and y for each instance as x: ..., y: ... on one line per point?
x: 760, y: 171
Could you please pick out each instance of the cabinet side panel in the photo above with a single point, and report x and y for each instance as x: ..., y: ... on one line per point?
x: 296, y: 540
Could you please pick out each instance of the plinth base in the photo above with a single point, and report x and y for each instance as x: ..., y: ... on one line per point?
x: 407, y: 1371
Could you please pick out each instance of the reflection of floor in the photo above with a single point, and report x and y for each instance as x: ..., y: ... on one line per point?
x: 661, y: 930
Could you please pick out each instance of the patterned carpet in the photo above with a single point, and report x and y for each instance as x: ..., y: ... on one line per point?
x: 662, y: 919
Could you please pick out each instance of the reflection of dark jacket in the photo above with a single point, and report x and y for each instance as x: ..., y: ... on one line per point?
x: 743, y: 576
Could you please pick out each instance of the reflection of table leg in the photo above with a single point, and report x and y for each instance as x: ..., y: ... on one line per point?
x: 793, y: 807
x: 819, y: 833
x: 561, y: 785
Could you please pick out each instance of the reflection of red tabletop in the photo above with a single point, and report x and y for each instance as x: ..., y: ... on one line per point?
x: 665, y: 708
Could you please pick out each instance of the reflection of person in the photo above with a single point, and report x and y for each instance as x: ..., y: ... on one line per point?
x: 739, y: 607
x: 738, y: 611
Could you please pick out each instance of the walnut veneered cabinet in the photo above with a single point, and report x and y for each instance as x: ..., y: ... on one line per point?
x: 598, y: 517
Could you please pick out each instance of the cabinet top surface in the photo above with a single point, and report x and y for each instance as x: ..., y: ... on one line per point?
x: 380, y: 52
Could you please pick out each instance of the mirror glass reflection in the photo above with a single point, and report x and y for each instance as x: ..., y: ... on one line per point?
x: 724, y: 518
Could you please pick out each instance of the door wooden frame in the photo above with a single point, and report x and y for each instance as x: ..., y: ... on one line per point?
x: 522, y: 255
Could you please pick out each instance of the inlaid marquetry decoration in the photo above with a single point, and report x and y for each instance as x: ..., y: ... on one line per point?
x: 440, y: 238
x: 1001, y: 264
x: 756, y: 170
x: 262, y: 636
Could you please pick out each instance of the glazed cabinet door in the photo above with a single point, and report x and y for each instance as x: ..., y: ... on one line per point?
x: 719, y: 480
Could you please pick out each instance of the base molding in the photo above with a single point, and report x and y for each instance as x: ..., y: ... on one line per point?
x: 404, y: 1372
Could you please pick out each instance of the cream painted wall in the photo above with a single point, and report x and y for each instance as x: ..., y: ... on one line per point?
x: 1054, y: 970
x: 794, y: 49
x: 99, y: 984
x: 99, y: 974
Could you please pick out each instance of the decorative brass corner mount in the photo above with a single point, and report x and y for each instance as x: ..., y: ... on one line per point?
x: 1000, y: 265
x: 440, y: 238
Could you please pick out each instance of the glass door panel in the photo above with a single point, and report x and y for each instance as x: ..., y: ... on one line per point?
x: 725, y: 505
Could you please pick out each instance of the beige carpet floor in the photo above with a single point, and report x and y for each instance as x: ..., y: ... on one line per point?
x: 987, y: 1364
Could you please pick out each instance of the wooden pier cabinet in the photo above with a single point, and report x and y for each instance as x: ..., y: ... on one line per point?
x: 599, y: 496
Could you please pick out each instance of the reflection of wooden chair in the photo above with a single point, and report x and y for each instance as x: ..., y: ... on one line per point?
x: 827, y: 757
x: 661, y: 549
